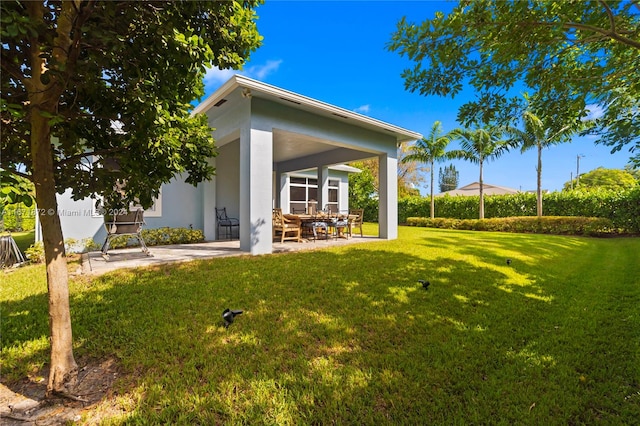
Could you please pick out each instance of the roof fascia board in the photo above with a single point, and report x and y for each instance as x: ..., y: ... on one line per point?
x: 224, y: 90
x: 402, y: 135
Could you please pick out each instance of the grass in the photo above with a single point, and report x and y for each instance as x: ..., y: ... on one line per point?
x: 23, y: 240
x: 347, y: 335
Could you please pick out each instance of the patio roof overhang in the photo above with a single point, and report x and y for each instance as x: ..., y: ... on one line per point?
x: 254, y: 88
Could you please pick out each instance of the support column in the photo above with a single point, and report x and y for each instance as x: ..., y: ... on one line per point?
x: 282, y: 191
x: 388, y: 197
x: 323, y: 186
x: 256, y: 190
x: 209, y: 204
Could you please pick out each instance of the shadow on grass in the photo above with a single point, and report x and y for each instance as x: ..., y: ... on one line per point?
x: 332, y: 336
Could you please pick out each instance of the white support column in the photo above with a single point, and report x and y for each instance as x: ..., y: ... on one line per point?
x: 283, y: 201
x: 323, y: 186
x: 256, y: 190
x: 388, y: 197
x: 209, y: 204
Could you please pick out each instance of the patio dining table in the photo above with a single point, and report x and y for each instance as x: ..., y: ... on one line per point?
x: 326, y: 221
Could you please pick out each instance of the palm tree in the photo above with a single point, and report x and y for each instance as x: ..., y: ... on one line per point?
x: 428, y: 151
x: 536, y: 134
x: 478, y: 146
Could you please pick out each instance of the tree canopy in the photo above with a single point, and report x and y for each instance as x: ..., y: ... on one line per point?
x: 124, y: 82
x: 539, y: 134
x: 577, y: 57
x: 448, y: 178
x: 97, y: 95
x: 614, y: 179
x: 428, y: 150
x: 479, y: 146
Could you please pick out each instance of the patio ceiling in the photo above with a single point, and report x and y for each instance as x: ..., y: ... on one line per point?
x: 288, y: 146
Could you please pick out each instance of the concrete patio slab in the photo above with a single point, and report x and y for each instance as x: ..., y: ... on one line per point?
x: 94, y: 264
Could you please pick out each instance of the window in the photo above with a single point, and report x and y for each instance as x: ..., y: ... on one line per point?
x: 302, y: 191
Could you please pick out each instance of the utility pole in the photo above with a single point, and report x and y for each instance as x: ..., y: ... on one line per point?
x: 571, y: 181
x: 578, y: 169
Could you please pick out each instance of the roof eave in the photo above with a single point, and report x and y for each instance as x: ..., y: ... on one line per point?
x: 236, y: 81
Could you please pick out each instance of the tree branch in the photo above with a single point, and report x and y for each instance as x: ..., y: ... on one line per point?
x: 21, y: 174
x: 613, y: 35
x: 609, y: 14
x: 75, y: 158
x: 12, y: 70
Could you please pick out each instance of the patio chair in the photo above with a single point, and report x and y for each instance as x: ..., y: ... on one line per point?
x: 315, y: 227
x: 340, y: 227
x: 290, y: 227
x: 226, y: 222
x: 356, y: 222
x: 129, y: 224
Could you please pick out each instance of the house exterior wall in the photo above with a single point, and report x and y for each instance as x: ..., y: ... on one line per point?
x: 182, y: 207
x: 78, y: 219
x: 228, y: 179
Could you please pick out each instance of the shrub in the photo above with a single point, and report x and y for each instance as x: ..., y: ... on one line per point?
x: 18, y: 217
x: 577, y: 225
x: 622, y: 208
x: 35, y: 253
x: 161, y: 236
x: 152, y: 237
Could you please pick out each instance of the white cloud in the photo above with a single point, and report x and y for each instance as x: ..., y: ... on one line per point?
x: 594, y: 111
x: 216, y: 77
x: 363, y: 109
x: 260, y: 72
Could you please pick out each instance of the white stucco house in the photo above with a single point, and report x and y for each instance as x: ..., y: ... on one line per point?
x: 276, y: 149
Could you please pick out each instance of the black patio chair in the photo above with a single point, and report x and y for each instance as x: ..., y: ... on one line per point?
x: 226, y: 222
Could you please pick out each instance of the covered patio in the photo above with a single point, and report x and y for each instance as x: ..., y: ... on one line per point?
x: 264, y: 134
x: 127, y: 258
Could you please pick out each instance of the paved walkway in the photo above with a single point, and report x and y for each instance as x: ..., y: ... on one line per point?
x: 94, y: 264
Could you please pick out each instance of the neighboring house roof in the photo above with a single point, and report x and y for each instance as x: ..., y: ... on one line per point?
x: 474, y: 189
x: 266, y: 91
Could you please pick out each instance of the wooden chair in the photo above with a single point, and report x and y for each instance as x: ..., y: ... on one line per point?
x: 356, y: 222
x: 286, y: 225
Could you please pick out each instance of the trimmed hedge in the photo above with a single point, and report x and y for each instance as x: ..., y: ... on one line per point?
x: 622, y: 208
x: 18, y: 218
x: 161, y: 236
x: 559, y: 225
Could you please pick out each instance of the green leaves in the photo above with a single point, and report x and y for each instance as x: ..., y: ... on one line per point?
x: 571, y: 54
x: 15, y: 189
x: 125, y: 89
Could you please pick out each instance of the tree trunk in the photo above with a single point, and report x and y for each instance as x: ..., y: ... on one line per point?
x: 63, y: 373
x: 433, y: 204
x: 539, y: 188
x: 43, y: 101
x: 481, y: 193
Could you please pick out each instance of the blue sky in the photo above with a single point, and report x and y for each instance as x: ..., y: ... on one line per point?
x: 334, y: 51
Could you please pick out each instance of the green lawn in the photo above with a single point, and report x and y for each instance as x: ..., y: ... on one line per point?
x: 348, y: 336
x: 23, y: 240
